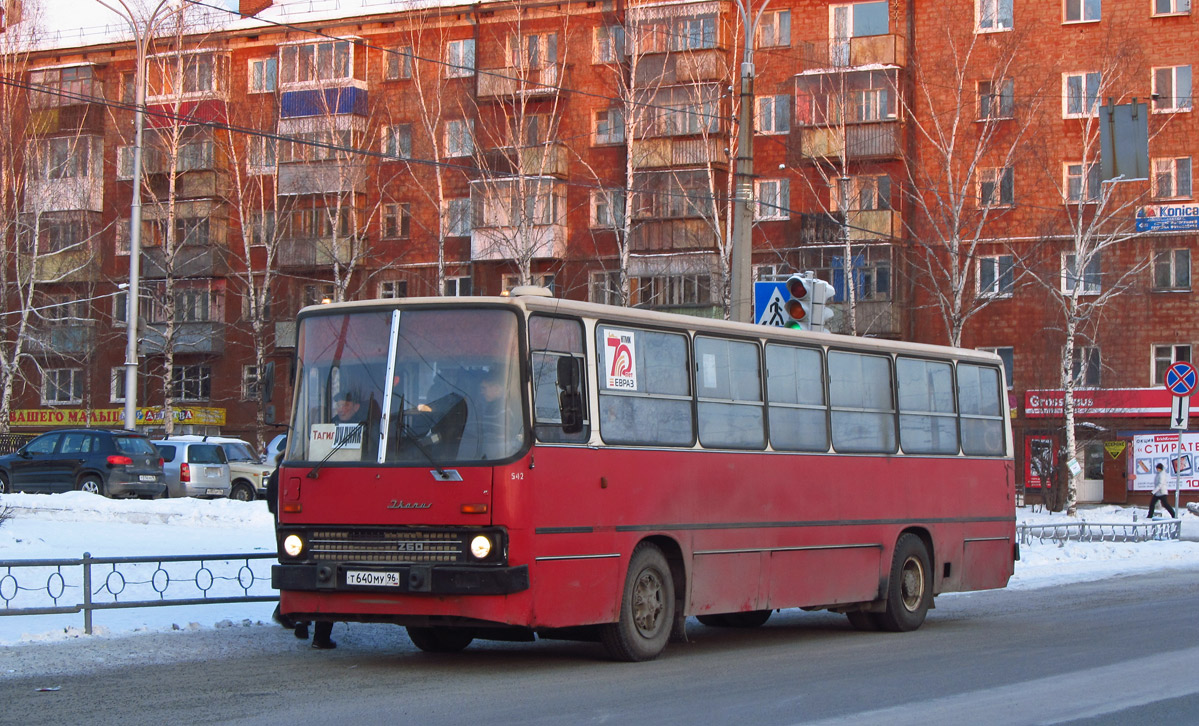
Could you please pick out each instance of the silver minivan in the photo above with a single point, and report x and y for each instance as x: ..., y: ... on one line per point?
x: 194, y: 468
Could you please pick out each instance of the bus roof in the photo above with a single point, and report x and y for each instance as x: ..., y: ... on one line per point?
x: 638, y: 316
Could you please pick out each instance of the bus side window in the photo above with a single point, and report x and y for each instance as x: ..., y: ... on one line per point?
x: 863, y: 404
x: 927, y: 417
x: 981, y: 406
x: 559, y: 379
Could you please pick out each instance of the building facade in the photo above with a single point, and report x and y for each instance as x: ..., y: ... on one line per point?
x: 943, y: 165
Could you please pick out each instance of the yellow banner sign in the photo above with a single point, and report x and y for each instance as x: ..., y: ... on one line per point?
x: 150, y: 416
x: 1114, y: 448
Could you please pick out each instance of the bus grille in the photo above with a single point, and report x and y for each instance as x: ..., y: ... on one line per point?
x: 387, y: 545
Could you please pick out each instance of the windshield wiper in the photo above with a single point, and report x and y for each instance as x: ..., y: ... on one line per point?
x: 315, y: 471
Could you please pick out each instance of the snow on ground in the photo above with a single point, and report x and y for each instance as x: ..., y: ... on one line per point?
x: 61, y: 526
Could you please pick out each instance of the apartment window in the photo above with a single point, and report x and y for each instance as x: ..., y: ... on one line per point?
x: 62, y: 86
x: 1172, y: 270
x: 459, y: 139
x: 769, y: 273
x: 1171, y: 7
x: 774, y: 199
x: 393, y: 289
x: 116, y: 385
x: 1165, y: 356
x: 124, y: 163
x: 1172, y: 89
x: 865, y: 193
x: 1172, y: 178
x: 774, y: 114
x: 996, y: 187
x: 774, y: 29
x: 315, y: 62
x: 694, y: 33
x: 1080, y: 94
x: 607, y: 208
x: 194, y: 155
x: 1083, y: 11
x: 262, y: 228
x: 671, y: 290
x: 198, y: 75
x: 318, y: 294
x: 1007, y: 355
x: 460, y: 58
x: 1088, y: 281
x: 396, y: 141
x: 1084, y: 366
x: 191, y: 231
x: 62, y: 385
x: 191, y: 383
x: 854, y: 20
x: 872, y: 104
x: 609, y: 126
x: 394, y: 221
x: 533, y: 51
x: 604, y: 287
x: 457, y: 286
x: 994, y: 15
x: 996, y: 276
x: 193, y: 305
x: 249, y: 383
x: 545, y: 280
x: 261, y: 155
x: 996, y: 99
x: 264, y: 75
x: 399, y: 64
x: 120, y: 308
x: 67, y: 157
x: 63, y: 310
x: 608, y: 44
x: 456, y: 217
x: 1082, y: 186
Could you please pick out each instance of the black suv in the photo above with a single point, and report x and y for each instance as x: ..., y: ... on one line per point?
x: 113, y: 463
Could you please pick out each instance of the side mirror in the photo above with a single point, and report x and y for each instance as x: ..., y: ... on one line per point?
x: 570, y: 394
x: 23, y: 453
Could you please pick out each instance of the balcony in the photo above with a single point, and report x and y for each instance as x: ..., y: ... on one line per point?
x: 516, y: 82
x: 186, y: 113
x: 63, y: 340
x: 78, y: 117
x: 313, y: 253
x: 188, y: 261
x: 76, y: 265
x: 681, y: 67
x: 321, y: 177
x: 285, y: 334
x: 548, y: 160
x: 188, y: 184
x: 857, y: 142
x: 669, y: 152
x: 834, y: 56
x: 201, y: 337
x: 668, y: 235
x: 350, y: 99
x: 865, y: 224
x: 535, y: 241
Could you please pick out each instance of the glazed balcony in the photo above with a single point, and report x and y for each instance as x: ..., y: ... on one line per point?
x: 709, y: 64
x: 517, y: 82
x: 548, y: 160
x: 669, y: 152
x: 666, y: 235
x: 856, y: 142
x: 868, y: 50
x: 310, y: 253
x: 196, y: 337
x: 63, y: 340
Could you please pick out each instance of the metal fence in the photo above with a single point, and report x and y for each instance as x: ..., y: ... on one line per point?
x: 1060, y: 533
x: 11, y: 442
x: 49, y: 587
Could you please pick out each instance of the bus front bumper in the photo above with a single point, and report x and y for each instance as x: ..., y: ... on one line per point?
x: 424, y: 579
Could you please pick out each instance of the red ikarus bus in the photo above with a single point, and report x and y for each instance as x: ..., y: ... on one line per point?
x: 518, y: 467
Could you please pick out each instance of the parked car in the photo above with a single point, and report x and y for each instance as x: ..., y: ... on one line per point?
x: 113, y: 463
x: 273, y: 449
x: 194, y: 468
x: 247, y: 474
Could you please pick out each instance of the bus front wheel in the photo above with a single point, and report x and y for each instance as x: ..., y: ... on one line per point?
x: 646, y: 608
x: 440, y: 640
x: 910, y: 588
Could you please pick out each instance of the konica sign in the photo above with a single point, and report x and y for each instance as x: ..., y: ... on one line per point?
x: 1168, y: 218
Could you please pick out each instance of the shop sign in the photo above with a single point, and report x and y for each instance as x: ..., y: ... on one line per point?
x: 1179, y: 457
x: 1114, y: 402
x: 111, y: 417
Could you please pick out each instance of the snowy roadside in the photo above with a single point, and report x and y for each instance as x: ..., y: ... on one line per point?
x: 67, y: 525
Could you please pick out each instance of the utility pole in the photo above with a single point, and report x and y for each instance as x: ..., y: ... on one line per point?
x: 142, y: 38
x: 741, y: 258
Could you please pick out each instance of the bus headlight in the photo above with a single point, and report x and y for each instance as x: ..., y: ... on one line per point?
x: 293, y: 545
x: 480, y: 546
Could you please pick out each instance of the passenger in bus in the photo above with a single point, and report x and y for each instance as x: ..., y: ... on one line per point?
x: 347, y: 409
x: 494, y: 425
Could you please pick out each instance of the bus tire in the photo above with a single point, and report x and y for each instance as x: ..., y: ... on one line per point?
x: 646, y: 608
x: 910, y: 587
x: 440, y: 640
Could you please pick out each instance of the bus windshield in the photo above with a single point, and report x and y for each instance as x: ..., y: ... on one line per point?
x: 423, y: 387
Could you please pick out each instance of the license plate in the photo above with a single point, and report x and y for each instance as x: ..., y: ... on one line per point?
x: 373, y: 579
x: 216, y: 492
x: 147, y: 477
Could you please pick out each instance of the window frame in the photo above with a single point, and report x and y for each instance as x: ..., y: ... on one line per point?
x: 773, y: 115
x: 1174, y: 4
x: 1084, y: 95
x: 1003, y: 177
x: 613, y: 118
x: 398, y: 64
x: 74, y: 386
x: 1082, y: 11
x: 1170, y: 165
x: 1077, y: 184
x: 996, y: 8
x: 1158, y: 374
x: 778, y: 24
x: 1172, y: 269
x: 779, y: 210
x: 460, y: 58
x: 399, y: 226
x: 1178, y: 103
x: 262, y: 75
x: 1086, y: 366
x: 1091, y: 277
x: 1003, y: 282
x: 996, y: 107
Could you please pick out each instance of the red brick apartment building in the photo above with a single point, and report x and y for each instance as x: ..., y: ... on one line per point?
x: 939, y: 163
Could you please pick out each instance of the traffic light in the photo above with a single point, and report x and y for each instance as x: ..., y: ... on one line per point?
x: 807, y: 304
x: 799, y: 302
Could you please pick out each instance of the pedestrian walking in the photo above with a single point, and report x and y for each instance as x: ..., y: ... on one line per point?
x: 1160, y: 491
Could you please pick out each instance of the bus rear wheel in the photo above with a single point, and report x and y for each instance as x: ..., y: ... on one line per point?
x: 440, y: 640
x: 910, y: 588
x: 646, y: 608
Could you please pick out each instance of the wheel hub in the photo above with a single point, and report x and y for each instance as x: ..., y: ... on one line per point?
x: 648, y: 603
x: 912, y: 584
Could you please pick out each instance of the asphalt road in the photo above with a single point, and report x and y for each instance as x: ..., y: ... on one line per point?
x: 1117, y: 651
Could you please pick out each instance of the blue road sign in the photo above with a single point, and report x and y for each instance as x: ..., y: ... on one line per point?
x: 769, y: 299
x: 1181, y: 378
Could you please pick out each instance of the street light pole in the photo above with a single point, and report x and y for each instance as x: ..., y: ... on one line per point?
x: 141, y: 39
x: 741, y: 256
